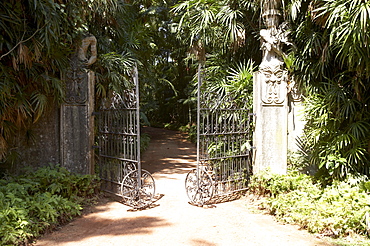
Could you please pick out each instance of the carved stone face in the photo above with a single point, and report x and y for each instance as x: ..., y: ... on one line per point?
x: 274, y: 90
x: 273, y: 75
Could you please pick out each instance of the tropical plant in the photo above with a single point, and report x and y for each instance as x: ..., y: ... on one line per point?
x: 37, y: 40
x: 221, y: 36
x: 338, y: 210
x: 223, y: 27
x: 331, y: 60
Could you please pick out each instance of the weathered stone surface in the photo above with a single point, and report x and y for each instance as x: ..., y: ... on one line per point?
x: 77, y: 130
x: 296, y: 121
x: 271, y: 125
x: 66, y: 135
x: 77, y: 120
x: 43, y: 148
x: 277, y: 123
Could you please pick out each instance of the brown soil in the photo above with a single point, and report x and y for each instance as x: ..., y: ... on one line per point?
x: 172, y: 220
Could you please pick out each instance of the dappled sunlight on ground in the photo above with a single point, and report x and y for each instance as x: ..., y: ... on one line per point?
x: 104, y: 223
x: 171, y: 220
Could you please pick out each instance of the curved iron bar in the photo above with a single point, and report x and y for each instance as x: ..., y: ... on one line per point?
x: 119, y: 148
x: 224, y: 147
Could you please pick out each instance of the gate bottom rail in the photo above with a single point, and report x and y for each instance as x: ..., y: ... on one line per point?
x: 202, y: 188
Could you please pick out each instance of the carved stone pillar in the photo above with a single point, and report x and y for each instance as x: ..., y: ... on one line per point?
x: 77, y: 122
x: 270, y: 97
x: 271, y: 121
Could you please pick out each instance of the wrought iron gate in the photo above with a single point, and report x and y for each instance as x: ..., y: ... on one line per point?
x: 119, y: 164
x: 224, y: 150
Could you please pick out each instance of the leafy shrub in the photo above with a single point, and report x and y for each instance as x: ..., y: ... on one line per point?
x: 144, y: 141
x: 268, y: 184
x: 37, y: 201
x: 337, y: 210
x: 336, y: 135
x: 191, y: 130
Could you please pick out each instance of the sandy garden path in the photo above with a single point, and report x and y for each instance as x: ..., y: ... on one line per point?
x: 172, y: 221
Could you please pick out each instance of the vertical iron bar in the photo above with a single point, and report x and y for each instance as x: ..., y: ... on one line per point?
x: 136, y: 81
x: 198, y: 121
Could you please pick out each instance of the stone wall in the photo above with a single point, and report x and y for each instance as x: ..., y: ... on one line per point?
x: 65, y: 136
x: 43, y: 147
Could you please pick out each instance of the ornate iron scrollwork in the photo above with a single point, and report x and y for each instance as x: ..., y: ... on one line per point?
x: 119, y: 148
x: 223, y: 147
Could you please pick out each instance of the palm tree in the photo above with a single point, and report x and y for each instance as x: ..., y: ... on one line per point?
x: 222, y: 35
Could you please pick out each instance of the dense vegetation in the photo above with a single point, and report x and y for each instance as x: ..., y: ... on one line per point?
x: 329, y: 59
x: 41, y: 200
x: 339, y: 210
x: 37, y: 39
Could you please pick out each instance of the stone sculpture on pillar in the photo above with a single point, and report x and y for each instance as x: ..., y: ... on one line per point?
x: 274, y: 92
x: 270, y: 96
x: 271, y: 48
x: 77, y: 123
x: 89, y: 41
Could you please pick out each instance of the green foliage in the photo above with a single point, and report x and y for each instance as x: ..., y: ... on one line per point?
x: 268, y: 184
x: 191, y: 130
x: 331, y: 61
x: 221, y: 36
x: 144, y: 142
x: 337, y: 132
x: 37, y: 39
x: 337, y: 210
x: 40, y: 200
x: 229, y: 81
x: 209, y: 26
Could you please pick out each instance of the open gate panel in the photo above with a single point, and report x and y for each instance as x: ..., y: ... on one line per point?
x: 119, y: 164
x: 225, y: 148
x: 118, y: 148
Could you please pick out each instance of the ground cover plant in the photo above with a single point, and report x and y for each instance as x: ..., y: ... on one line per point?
x: 39, y: 201
x: 338, y: 210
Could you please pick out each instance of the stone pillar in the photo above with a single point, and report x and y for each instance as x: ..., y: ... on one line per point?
x: 271, y: 124
x: 77, y: 121
x: 270, y: 97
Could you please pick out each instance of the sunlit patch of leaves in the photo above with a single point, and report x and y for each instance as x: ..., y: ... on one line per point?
x: 38, y: 201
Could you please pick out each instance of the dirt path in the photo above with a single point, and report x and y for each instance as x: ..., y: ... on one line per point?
x: 173, y: 221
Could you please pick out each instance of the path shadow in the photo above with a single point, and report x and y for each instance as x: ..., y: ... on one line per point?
x: 95, y: 225
x: 170, y: 153
x: 119, y: 199
x: 226, y: 197
x: 201, y: 242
